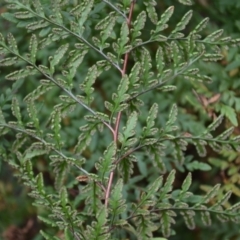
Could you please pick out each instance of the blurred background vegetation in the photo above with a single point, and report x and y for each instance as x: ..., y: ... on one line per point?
x: 196, y: 110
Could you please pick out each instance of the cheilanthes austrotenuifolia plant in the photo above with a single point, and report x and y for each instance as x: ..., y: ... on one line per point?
x: 103, y: 99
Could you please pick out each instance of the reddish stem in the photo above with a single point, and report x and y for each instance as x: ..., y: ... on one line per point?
x: 118, y: 119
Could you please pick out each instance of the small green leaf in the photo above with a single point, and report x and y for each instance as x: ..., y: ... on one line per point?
x: 211, y: 57
x: 2, y: 41
x: 167, y: 88
x: 138, y: 25
x: 166, y: 221
x: 154, y: 186
x: 39, y: 91
x: 74, y: 60
x: 187, y: 182
x: 121, y: 95
x: 124, y: 38
x: 230, y: 113
x: 183, y: 23
x: 8, y: 61
x: 195, y: 165
x: 197, y: 77
x: 201, y: 25
x: 84, y: 139
x: 158, y: 162
x: 205, y: 216
x: 226, y: 134
x: 166, y: 15
x: 92, y: 74
x: 37, y: 25
x: 200, y: 146
x: 152, y: 115
x: 216, y: 147
x: 168, y: 185
x: 24, y: 15
x: 101, y: 222
x: 63, y: 196
x: 40, y: 184
x: 151, y: 190
x: 116, y: 202
x: 107, y: 28
x: 188, y: 216
x: 2, y: 118
x: 23, y: 73
x: 176, y: 56
x: 33, y: 47
x: 162, y: 24
x: 178, y: 152
x: 134, y: 75
x: 84, y: 11
x: 61, y: 51
x: 160, y: 61
x: 222, y: 218
x: 125, y: 167
x: 12, y: 43
x: 16, y: 110
x: 33, y: 151
x: 32, y: 111
x: 48, y: 221
x: 48, y: 236
x: 129, y: 130
x: 222, y: 200
x: 215, y: 124
x: 152, y: 11
x: 213, y: 37
x: 38, y: 7
x: 56, y: 126
x: 146, y: 64
x: 211, y: 194
x: 186, y: 2
x: 60, y: 169
x: 56, y: 10
x: 234, y: 208
x: 105, y: 163
x: 172, y: 116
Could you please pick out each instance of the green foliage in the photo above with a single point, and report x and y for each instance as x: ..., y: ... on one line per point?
x: 119, y: 130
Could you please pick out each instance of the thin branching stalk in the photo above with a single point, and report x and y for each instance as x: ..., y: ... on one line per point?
x: 163, y: 81
x: 60, y: 153
x: 185, y: 209
x: 69, y: 93
x: 118, y: 119
x: 91, y: 46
